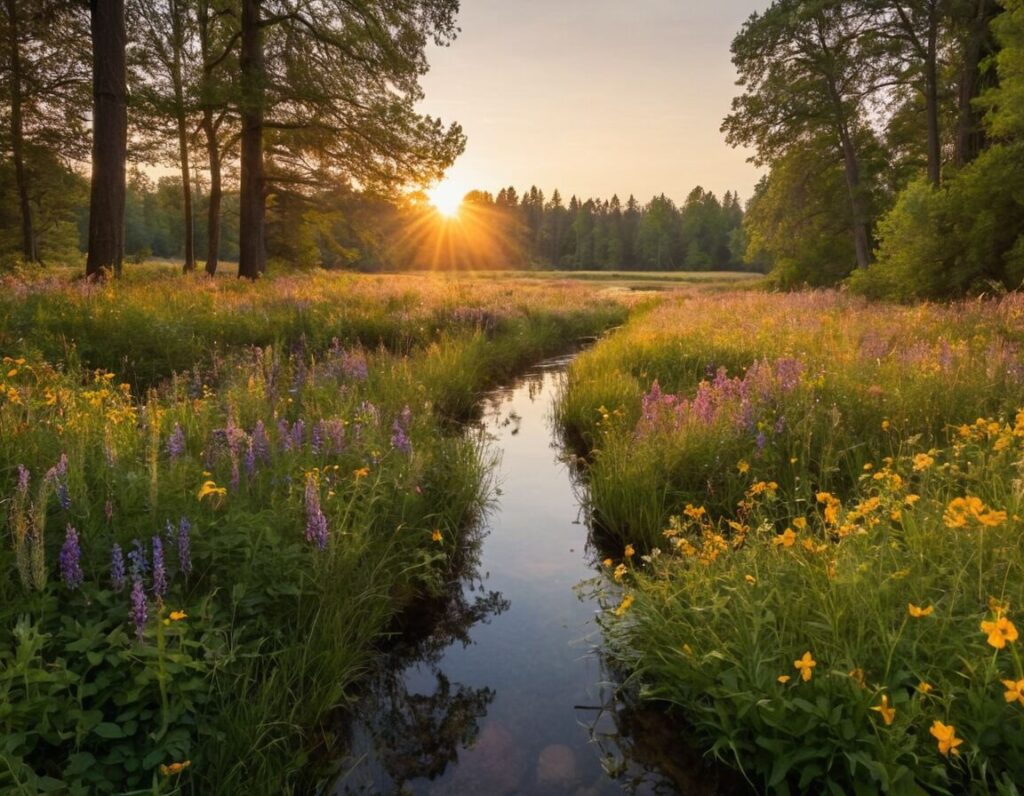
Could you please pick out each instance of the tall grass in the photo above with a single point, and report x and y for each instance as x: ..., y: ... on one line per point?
x: 809, y: 474
x: 277, y: 466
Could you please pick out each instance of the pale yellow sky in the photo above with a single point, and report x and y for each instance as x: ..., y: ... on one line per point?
x: 593, y: 97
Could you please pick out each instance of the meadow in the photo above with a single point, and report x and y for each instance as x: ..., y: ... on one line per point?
x: 219, y: 497
x: 810, y: 507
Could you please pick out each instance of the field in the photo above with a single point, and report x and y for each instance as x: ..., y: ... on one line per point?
x: 220, y: 497
x: 813, y: 506
x: 217, y: 497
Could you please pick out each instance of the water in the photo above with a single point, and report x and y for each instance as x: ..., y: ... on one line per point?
x: 507, y: 694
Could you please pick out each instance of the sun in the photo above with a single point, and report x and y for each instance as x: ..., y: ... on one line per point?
x: 446, y: 197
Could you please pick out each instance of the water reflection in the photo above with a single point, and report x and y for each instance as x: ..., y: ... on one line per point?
x: 499, y: 687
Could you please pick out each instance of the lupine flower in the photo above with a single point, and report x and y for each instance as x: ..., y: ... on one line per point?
x: 176, y: 442
x: 259, y: 444
x: 117, y: 578
x: 298, y: 433
x: 137, y: 563
x: 400, y: 432
x: 159, y: 571
x: 316, y: 522
x: 139, y: 610
x: 284, y: 435
x: 58, y: 476
x: 353, y: 365
x: 185, y: 546
x: 71, y: 559
x: 23, y: 478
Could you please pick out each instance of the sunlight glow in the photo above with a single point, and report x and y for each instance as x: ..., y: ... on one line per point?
x: 446, y: 197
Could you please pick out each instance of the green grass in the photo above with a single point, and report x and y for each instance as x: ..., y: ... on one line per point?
x: 793, y: 484
x: 278, y: 633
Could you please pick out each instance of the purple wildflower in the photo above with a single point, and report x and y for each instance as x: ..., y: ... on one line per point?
x: 176, y: 443
x: 353, y: 365
x: 116, y: 567
x: 58, y: 476
x: 400, y: 432
x: 71, y: 559
x: 137, y: 563
x: 284, y: 435
x: 185, y: 546
x: 159, y: 571
x: 139, y: 612
x: 23, y: 478
x: 316, y: 522
x: 760, y: 440
x: 298, y: 434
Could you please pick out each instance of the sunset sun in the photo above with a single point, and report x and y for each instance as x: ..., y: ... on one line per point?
x: 446, y: 197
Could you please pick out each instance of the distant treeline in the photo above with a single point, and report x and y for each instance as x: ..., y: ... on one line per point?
x: 343, y: 229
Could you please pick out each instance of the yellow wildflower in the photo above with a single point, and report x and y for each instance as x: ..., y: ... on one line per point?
x: 362, y: 472
x: 608, y: 562
x: 1014, y: 691
x: 436, y: 535
x: 805, y: 666
x: 800, y: 523
x: 945, y: 734
x: 922, y: 461
x: 918, y: 612
x: 629, y: 552
x: 888, y: 713
x: 783, y: 678
x: 620, y: 570
x: 999, y: 632
x: 174, y: 768
x: 210, y: 488
x: 624, y: 605
x: 750, y: 579
x: 743, y: 466
x: 857, y: 675
x: 786, y: 539
x: 886, y: 425
x: 177, y: 616
x: 925, y: 688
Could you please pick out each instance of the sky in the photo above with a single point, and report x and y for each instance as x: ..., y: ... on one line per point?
x: 594, y: 97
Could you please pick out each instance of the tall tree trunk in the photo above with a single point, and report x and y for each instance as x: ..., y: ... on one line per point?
x: 969, y: 133
x: 252, y: 254
x: 858, y: 218
x: 178, y: 45
x: 28, y: 240
x: 110, y: 138
x: 931, y: 100
x: 213, y: 211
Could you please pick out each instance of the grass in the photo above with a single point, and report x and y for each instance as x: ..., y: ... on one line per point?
x: 276, y: 465
x: 793, y: 474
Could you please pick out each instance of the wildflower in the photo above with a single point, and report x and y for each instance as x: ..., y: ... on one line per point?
x: 962, y: 510
x: 922, y: 461
x: 316, y: 522
x: 783, y: 678
x: 400, y: 432
x: 1014, y: 691
x: 137, y: 563
x: 945, y: 734
x: 185, y: 546
x: 999, y: 631
x: 620, y: 571
x: 786, y: 539
x: 174, y: 768
x: 58, y: 476
x: 159, y: 571
x: 176, y: 442
x: 805, y: 666
x: 743, y: 466
x: 887, y: 713
x: 116, y: 567
x: 139, y: 610
x: 608, y: 562
x: 750, y: 579
x: 925, y: 688
x: 857, y: 675
x: 918, y: 612
x: 436, y: 535
x: 23, y: 478
x: 886, y: 425
x: 800, y: 523
x: 362, y: 472
x: 629, y: 552
x: 177, y: 616
x: 70, y: 559
x: 210, y: 488
x: 259, y: 443
x: 624, y: 605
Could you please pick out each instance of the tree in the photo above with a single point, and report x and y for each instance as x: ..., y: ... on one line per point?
x: 110, y: 138
x: 42, y: 78
x: 803, y: 77
x: 335, y: 84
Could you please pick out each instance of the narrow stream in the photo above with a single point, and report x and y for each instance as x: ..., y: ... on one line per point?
x: 505, y: 696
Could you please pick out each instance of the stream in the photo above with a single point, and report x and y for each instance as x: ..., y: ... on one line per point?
x: 508, y: 693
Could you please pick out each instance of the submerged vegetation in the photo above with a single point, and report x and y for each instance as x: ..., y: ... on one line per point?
x: 208, y: 541
x: 815, y: 502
